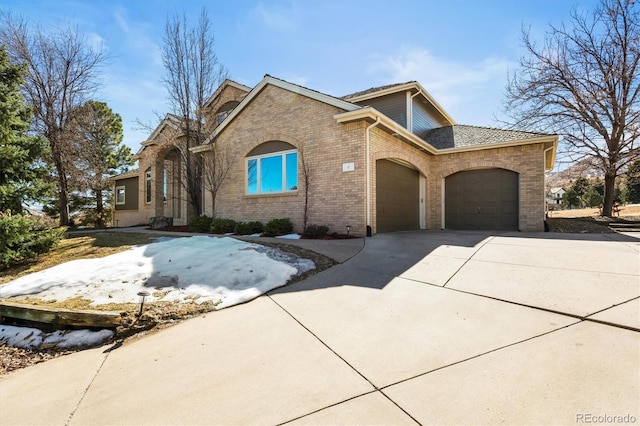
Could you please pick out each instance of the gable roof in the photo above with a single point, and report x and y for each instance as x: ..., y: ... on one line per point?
x: 374, y: 90
x: 456, y: 138
x: 170, y: 120
x: 226, y: 83
x: 460, y: 135
x: 273, y: 81
x: 412, y: 86
x: 125, y: 175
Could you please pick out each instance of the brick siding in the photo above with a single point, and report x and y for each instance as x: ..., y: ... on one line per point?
x: 336, y: 198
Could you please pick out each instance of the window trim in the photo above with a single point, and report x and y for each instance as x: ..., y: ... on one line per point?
x: 283, y: 155
x: 124, y: 195
x: 148, y: 187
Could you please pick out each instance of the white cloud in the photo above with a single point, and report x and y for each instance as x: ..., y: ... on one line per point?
x: 469, y: 91
x: 276, y: 19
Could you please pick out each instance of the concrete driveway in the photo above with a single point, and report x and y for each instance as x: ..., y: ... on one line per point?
x: 417, y: 327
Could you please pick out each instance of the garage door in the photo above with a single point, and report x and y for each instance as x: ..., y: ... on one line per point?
x: 482, y: 199
x: 397, y: 197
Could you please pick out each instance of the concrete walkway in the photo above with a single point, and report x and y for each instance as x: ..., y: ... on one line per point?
x: 416, y: 328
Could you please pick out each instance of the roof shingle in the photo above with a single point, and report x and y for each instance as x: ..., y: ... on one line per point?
x: 460, y: 135
x: 373, y: 90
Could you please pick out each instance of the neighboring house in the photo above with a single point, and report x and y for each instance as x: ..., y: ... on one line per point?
x: 554, y: 197
x: 386, y: 159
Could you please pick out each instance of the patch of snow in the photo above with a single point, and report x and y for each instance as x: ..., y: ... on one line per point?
x: 33, y: 338
x: 290, y: 237
x: 199, y: 268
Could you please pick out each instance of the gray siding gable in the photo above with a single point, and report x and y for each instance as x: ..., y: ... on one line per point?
x: 423, y: 121
x: 393, y: 106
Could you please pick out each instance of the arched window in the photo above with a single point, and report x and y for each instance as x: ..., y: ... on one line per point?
x: 272, y: 168
x: 147, y: 186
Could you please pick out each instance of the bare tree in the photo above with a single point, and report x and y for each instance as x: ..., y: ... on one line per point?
x: 306, y: 180
x: 582, y: 83
x: 62, y: 68
x: 217, y: 163
x: 193, y: 72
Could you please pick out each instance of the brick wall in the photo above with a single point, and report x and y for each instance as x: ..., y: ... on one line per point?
x: 527, y: 160
x: 336, y: 198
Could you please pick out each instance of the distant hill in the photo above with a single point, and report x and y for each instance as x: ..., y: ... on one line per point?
x: 566, y: 177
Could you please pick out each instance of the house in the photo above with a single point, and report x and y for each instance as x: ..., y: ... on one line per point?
x: 554, y: 197
x: 385, y: 159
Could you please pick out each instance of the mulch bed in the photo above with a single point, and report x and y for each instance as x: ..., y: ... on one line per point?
x: 587, y: 224
x: 332, y: 236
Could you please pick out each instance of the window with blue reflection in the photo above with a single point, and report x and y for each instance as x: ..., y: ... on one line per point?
x: 292, y: 171
x: 272, y: 173
x: 252, y: 176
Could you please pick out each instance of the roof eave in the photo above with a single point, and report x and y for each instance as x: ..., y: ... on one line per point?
x: 224, y: 84
x: 268, y: 80
x: 383, y: 92
x: 201, y: 148
x: 126, y: 175
x: 403, y: 88
x: 371, y: 114
x: 550, y: 142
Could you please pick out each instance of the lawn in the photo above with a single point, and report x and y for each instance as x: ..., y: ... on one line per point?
x: 79, y: 246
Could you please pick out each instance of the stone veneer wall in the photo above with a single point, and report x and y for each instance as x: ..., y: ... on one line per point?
x: 126, y: 218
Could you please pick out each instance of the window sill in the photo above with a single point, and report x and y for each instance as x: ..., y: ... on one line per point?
x: 272, y: 195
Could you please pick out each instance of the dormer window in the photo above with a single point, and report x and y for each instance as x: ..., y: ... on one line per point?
x: 224, y: 111
x: 222, y: 115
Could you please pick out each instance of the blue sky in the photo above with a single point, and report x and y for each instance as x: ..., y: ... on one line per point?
x: 459, y: 50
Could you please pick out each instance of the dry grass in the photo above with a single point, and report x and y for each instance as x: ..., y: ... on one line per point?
x: 88, y: 246
x: 589, y: 220
x: 628, y: 211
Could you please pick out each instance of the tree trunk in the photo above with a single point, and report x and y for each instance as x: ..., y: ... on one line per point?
x: 99, y: 209
x: 214, y: 195
x: 609, y: 193
x: 63, y: 191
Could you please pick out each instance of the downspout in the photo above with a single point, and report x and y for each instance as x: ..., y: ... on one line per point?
x: 544, y: 156
x: 113, y: 212
x: 410, y: 110
x: 367, y: 139
x: 545, y: 209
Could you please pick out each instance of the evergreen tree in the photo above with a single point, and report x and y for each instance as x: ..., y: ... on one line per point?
x: 633, y: 182
x: 96, y: 135
x: 570, y: 198
x: 22, y: 170
x: 22, y: 174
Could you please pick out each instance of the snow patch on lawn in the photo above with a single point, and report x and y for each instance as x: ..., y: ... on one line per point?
x: 33, y: 338
x: 199, y: 268
x: 289, y: 237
